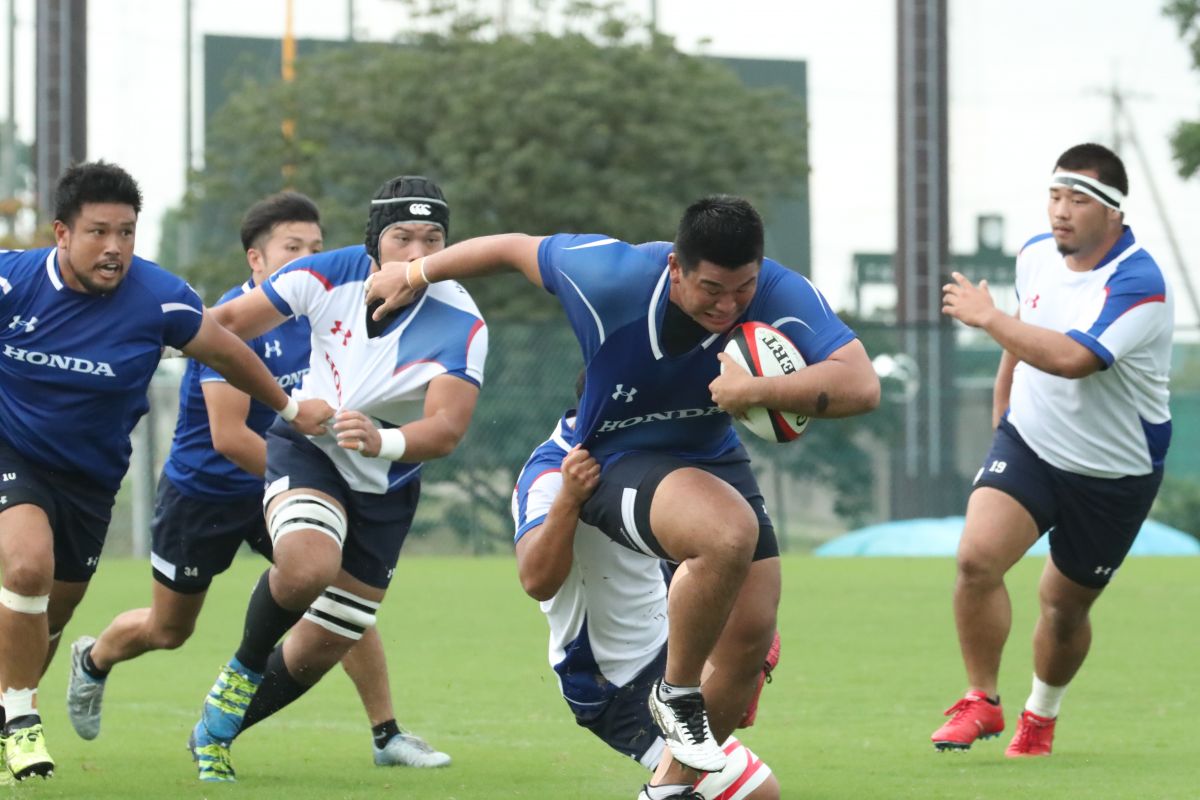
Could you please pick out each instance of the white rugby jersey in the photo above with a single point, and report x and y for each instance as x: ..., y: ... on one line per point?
x: 609, y: 619
x: 441, y: 333
x: 1116, y: 421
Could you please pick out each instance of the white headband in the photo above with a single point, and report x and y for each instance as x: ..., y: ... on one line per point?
x: 1097, y: 190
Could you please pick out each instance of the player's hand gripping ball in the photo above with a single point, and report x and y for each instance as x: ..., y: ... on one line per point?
x: 765, y: 352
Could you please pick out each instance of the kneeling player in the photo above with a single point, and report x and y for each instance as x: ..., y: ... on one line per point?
x: 338, y: 509
x: 607, y: 610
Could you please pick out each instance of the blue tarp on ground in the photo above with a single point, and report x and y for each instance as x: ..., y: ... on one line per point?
x: 939, y: 537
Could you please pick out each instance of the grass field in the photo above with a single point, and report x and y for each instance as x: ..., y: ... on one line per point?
x: 869, y: 663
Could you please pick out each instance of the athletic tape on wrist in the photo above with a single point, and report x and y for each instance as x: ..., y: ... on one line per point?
x: 289, y: 411
x: 392, y: 444
x: 22, y: 604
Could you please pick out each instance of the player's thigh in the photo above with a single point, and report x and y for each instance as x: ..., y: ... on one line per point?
x: 379, y: 526
x: 194, y: 539
x: 663, y: 506
x: 1011, y: 505
x: 1098, y: 521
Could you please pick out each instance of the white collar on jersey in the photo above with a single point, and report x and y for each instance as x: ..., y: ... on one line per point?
x: 52, y: 271
x: 1096, y: 189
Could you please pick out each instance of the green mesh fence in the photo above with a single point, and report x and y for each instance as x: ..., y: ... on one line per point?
x: 834, y: 478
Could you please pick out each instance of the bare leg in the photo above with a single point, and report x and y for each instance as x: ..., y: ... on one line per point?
x: 166, y: 625
x: 703, y: 522
x: 998, y: 532
x: 27, y: 566
x: 366, y: 665
x: 1063, y: 634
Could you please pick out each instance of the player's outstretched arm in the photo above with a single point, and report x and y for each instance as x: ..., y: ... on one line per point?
x: 843, y: 385
x: 449, y: 404
x: 1050, y: 351
x: 545, y: 553
x: 397, y: 282
x: 231, y: 436
x: 227, y: 354
x: 250, y: 315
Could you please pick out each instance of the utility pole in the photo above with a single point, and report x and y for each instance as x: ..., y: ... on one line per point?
x: 61, y: 93
x: 1120, y: 112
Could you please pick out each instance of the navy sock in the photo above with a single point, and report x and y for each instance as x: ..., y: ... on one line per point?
x: 384, y: 731
x: 90, y: 667
x: 266, y: 623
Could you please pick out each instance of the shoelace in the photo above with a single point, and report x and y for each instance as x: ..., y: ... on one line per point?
x: 416, y: 742
x: 692, y: 717
x: 960, y: 707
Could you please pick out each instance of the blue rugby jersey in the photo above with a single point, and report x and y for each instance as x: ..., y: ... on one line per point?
x: 194, y: 466
x: 636, y: 396
x: 74, y: 367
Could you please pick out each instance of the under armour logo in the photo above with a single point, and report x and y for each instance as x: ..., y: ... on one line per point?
x: 420, y: 209
x: 274, y: 348
x: 337, y: 328
x: 1033, y: 301
x: 620, y: 392
x: 29, y: 324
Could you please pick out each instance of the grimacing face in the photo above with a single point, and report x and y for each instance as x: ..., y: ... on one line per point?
x: 286, y: 242
x: 1079, y: 222
x: 712, y: 295
x: 410, y: 240
x: 96, y: 249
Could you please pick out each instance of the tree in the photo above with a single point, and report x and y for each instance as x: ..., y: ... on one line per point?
x: 1185, y: 141
x: 611, y: 130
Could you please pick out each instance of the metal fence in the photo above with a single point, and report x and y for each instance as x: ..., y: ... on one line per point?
x: 837, y: 476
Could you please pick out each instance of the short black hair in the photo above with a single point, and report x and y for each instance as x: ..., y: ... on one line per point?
x: 263, y: 216
x: 723, y: 229
x: 93, y: 182
x: 1108, y: 165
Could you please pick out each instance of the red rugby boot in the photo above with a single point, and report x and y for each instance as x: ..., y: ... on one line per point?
x: 971, y: 718
x: 1034, y: 736
x: 763, y: 678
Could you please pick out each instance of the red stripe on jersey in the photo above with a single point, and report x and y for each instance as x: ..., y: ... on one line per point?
x: 1157, y: 298
x: 471, y: 336
x: 324, y: 281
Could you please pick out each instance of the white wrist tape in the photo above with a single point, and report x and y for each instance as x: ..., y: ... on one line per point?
x: 391, y: 444
x: 290, y: 411
x: 22, y: 604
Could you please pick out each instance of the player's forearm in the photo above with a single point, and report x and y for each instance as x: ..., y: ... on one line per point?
x: 485, y: 255
x: 1048, y: 350
x: 243, y: 447
x: 547, y: 551
x: 829, y: 389
x: 429, y: 438
x: 245, y: 371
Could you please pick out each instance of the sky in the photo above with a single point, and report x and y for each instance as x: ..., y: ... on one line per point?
x: 1027, y: 80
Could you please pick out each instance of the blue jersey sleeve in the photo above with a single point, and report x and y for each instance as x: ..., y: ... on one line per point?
x: 599, y: 281
x: 8, y: 262
x: 182, y: 309
x: 788, y: 301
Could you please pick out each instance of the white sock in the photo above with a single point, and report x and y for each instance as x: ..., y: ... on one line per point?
x: 667, y: 790
x: 1045, y: 699
x: 20, y: 703
x: 666, y: 690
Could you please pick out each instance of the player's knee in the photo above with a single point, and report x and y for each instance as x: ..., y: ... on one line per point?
x: 29, y: 575
x: 977, y: 570
x: 735, y: 533
x: 171, y: 637
x: 301, y: 579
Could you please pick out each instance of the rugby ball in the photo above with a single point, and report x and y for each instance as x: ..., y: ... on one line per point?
x: 763, y: 351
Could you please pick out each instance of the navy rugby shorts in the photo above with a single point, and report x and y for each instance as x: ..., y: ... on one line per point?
x: 78, y: 510
x: 377, y: 523
x: 194, y: 539
x: 1092, y: 521
x: 620, y: 506
x: 624, y: 723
